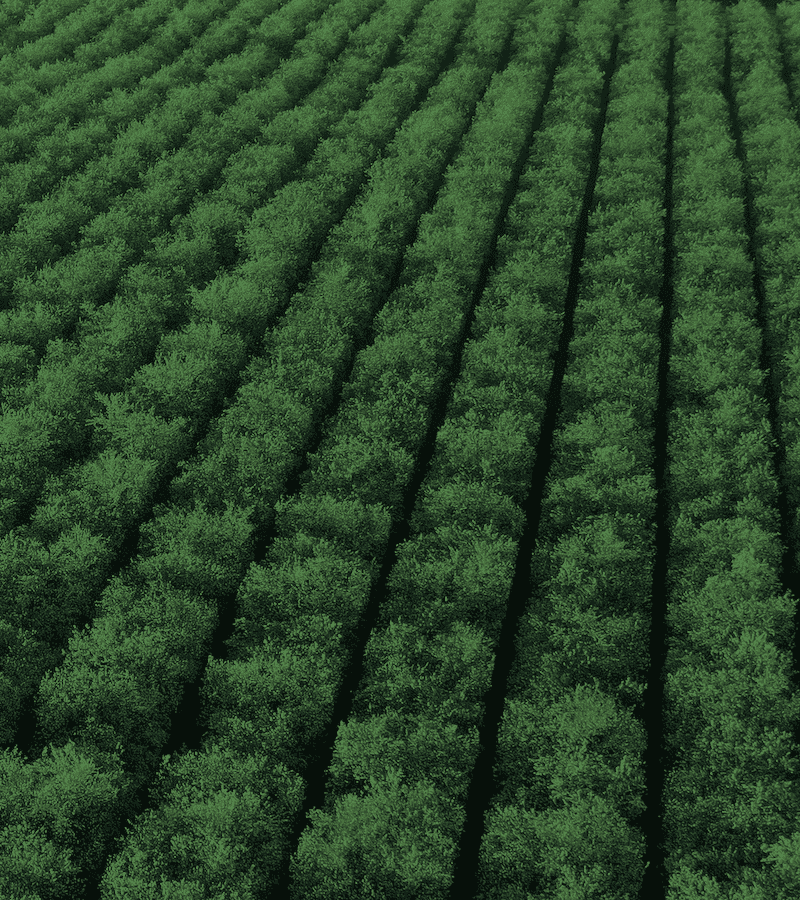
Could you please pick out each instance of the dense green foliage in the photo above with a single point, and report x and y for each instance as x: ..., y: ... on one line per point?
x: 353, y: 324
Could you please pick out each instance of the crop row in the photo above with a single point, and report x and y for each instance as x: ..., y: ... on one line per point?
x: 157, y: 620
x: 773, y: 166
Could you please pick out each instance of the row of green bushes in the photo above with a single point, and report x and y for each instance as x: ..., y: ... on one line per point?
x: 105, y: 711
x: 731, y: 799
x: 569, y: 768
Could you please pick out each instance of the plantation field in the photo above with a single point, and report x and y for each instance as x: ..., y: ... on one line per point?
x: 399, y: 450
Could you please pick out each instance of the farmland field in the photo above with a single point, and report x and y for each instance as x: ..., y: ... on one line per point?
x: 399, y: 450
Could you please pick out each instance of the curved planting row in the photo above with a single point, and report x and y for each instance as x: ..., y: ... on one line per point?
x: 570, y: 747
x: 105, y: 713
x: 730, y: 791
x: 773, y: 167
x: 401, y: 767
x: 47, y: 418
x: 268, y: 706
x: 69, y: 572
